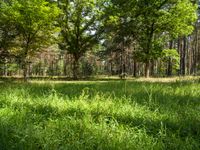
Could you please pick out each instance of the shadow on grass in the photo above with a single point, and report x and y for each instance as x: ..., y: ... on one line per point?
x: 140, y: 92
x: 155, y: 96
x: 43, y: 127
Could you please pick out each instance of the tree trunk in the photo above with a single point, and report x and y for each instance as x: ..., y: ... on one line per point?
x: 135, y: 69
x: 122, y: 65
x: 147, y: 69
x: 24, y: 60
x: 152, y: 68
x: 183, y: 57
x: 6, y: 68
x: 65, y: 65
x: 195, y: 49
x: 75, y: 67
x: 111, y: 69
x: 169, y: 65
x: 179, y: 46
x: 25, y: 71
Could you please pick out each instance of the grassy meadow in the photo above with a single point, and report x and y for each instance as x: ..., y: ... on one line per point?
x: 100, y: 115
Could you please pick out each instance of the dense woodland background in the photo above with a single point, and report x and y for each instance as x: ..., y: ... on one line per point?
x: 82, y: 38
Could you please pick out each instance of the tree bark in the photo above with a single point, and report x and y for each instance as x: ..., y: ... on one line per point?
x: 183, y: 57
x: 25, y: 71
x: 65, y: 65
x: 169, y: 65
x: 75, y: 66
x: 179, y: 46
x: 6, y: 68
x: 195, y: 51
x: 152, y: 68
x: 135, y: 69
x: 147, y: 69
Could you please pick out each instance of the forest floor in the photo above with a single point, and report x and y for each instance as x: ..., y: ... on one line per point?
x: 105, y: 115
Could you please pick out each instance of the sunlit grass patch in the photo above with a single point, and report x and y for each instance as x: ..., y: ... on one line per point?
x: 100, y: 115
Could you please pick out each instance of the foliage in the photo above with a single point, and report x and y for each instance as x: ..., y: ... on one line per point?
x: 150, y: 24
x: 173, y: 55
x: 88, y: 69
x: 161, y: 21
x: 128, y: 34
x: 7, y: 30
x: 34, y: 21
x: 80, y: 24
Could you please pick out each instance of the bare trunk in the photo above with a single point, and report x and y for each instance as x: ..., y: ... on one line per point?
x: 111, y: 68
x: 179, y: 46
x: 25, y: 71
x: 75, y: 67
x: 152, y: 68
x: 135, y: 69
x: 183, y: 57
x: 195, y: 58
x: 147, y: 69
x: 65, y: 65
x: 122, y: 65
x: 169, y: 65
x: 6, y: 68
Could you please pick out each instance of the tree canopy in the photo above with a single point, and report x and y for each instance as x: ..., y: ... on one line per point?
x: 152, y: 24
x: 142, y: 31
x: 34, y: 22
x: 79, y: 22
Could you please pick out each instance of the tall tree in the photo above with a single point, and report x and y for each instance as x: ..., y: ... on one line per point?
x: 79, y: 24
x: 118, y: 37
x: 7, y: 30
x: 153, y: 23
x: 162, y: 21
x: 34, y: 20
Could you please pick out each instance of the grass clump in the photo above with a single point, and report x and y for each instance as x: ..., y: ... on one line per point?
x: 100, y: 115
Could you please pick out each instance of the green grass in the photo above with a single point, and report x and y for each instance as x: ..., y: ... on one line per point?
x: 100, y: 115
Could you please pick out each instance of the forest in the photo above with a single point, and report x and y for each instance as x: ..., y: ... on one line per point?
x: 78, y: 39
x: 99, y: 75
